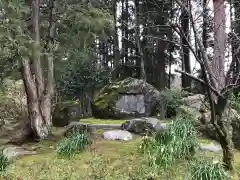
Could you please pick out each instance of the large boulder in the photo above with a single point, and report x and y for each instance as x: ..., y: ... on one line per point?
x: 128, y: 98
x: 144, y: 126
x: 66, y: 112
x: 194, y: 101
x: 205, y: 127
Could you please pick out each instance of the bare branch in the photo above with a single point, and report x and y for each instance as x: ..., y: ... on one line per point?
x: 201, y: 81
x: 201, y: 47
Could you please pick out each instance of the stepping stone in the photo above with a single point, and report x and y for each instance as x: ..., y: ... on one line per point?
x: 210, y: 147
x: 117, y: 135
x: 106, y: 126
x: 14, y: 152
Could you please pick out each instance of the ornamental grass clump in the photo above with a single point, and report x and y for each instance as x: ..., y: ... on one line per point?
x: 178, y: 142
x: 3, y: 164
x: 206, y: 170
x: 73, y: 144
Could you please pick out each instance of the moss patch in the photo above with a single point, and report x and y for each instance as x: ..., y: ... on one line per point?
x: 102, y: 121
x: 47, y: 166
x: 109, y: 94
x: 119, y: 158
x: 115, y: 159
x: 207, y: 141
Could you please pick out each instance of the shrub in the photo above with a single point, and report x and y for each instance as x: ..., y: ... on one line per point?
x: 74, y: 143
x: 3, y: 164
x: 172, y: 99
x: 186, y: 112
x: 178, y: 142
x: 235, y: 101
x: 13, y: 106
x: 205, y: 170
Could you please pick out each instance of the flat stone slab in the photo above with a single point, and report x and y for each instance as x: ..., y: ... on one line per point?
x: 16, y: 151
x: 117, y: 135
x: 211, y: 147
x: 106, y: 126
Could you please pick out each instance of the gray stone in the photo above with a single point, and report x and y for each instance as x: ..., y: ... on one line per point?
x: 106, y: 126
x: 126, y: 99
x: 164, y: 126
x: 210, y: 147
x: 66, y: 112
x: 117, y: 135
x: 144, y: 126
x: 78, y: 127
x: 14, y: 152
x: 131, y: 103
x: 189, y: 111
x: 194, y: 101
x: 205, y: 127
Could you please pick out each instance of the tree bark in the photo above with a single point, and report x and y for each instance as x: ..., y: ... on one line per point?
x: 138, y: 42
x: 115, y: 42
x: 39, y: 92
x: 186, y: 81
x: 219, y: 42
x: 216, y: 88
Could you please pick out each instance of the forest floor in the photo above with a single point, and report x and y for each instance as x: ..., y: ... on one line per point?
x: 102, y: 160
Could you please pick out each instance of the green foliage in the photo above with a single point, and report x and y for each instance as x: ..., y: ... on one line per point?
x: 81, y: 25
x: 80, y: 76
x: 178, y: 142
x: 13, y: 101
x: 187, y: 112
x: 14, y: 42
x: 235, y: 101
x: 205, y: 170
x: 172, y: 99
x: 3, y: 164
x: 72, y: 144
x: 100, y: 169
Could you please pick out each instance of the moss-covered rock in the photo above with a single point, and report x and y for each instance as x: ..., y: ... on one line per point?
x: 205, y: 127
x: 65, y: 112
x: 127, y: 98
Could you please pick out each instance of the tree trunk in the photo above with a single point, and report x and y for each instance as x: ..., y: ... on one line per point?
x: 219, y: 43
x: 227, y: 153
x: 215, y: 85
x: 235, y: 42
x: 222, y: 126
x: 138, y: 42
x: 186, y: 81
x: 39, y: 92
x: 116, y: 51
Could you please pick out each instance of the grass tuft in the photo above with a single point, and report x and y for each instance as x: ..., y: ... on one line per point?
x: 3, y: 164
x: 206, y: 170
x: 178, y: 142
x: 72, y: 144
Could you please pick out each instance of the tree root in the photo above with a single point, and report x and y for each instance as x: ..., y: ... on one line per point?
x: 22, y: 135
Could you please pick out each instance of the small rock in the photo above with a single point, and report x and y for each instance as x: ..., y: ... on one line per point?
x: 15, y: 152
x: 78, y: 127
x: 117, y: 135
x: 210, y: 147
